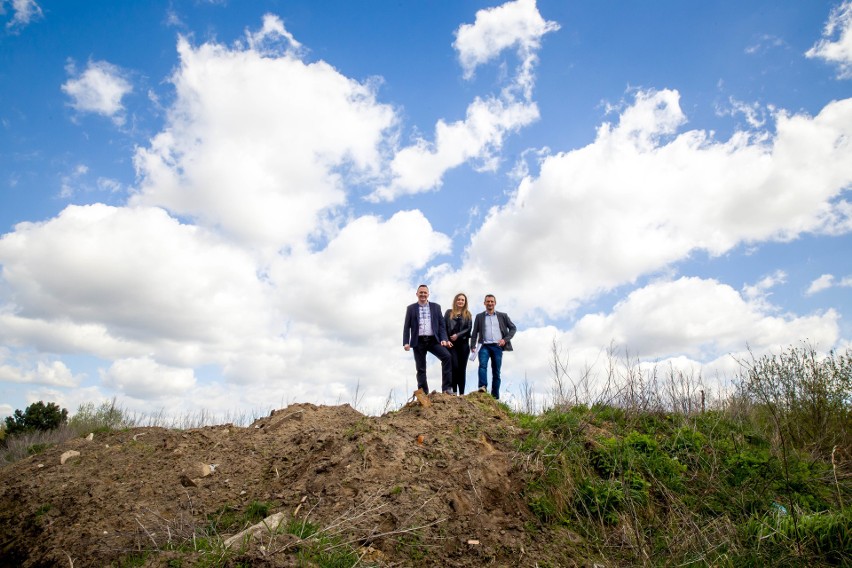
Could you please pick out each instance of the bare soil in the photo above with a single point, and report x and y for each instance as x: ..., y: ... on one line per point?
x: 436, y: 485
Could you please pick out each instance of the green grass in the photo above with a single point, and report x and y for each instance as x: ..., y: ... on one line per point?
x: 666, y: 477
x: 320, y: 549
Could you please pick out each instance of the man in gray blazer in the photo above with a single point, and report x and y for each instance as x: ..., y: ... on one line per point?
x: 492, y: 334
x: 425, y: 331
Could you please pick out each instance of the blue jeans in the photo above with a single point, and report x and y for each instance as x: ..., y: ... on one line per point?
x: 493, y: 351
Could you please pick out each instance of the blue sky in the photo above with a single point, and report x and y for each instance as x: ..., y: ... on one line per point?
x: 225, y: 206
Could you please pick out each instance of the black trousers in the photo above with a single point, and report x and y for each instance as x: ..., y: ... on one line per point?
x: 460, y: 352
x: 429, y: 343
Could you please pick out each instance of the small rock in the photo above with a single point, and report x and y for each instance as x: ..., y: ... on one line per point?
x: 186, y: 481
x: 267, y: 526
x: 67, y: 456
x: 372, y: 555
x: 91, y: 436
x: 202, y: 469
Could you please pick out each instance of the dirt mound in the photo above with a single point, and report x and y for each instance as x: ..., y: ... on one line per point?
x: 436, y: 485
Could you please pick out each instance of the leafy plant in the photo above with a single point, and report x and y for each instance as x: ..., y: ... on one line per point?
x: 105, y: 417
x: 826, y: 535
x: 802, y: 396
x: 37, y: 416
x: 601, y: 499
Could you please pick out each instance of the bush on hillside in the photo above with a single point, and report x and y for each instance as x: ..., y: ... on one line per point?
x: 802, y: 397
x: 104, y: 418
x: 37, y: 417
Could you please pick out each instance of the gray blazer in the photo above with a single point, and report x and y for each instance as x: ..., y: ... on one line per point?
x: 507, y: 328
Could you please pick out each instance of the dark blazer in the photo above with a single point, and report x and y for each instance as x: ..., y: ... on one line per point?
x: 507, y: 328
x: 410, y: 333
x: 453, y: 327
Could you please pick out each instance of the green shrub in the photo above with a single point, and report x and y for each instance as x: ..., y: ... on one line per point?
x: 643, y: 443
x: 705, y: 488
x: 609, y: 413
x: 106, y: 417
x: 750, y: 465
x: 37, y: 416
x: 805, y: 398
x: 686, y: 441
x: 602, y: 499
x: 637, y: 454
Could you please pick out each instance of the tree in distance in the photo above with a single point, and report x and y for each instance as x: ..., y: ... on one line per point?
x: 37, y: 416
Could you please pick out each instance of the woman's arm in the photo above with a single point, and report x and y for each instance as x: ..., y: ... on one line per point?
x: 464, y: 329
x: 451, y: 324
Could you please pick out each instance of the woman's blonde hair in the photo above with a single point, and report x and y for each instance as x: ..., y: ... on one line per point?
x: 464, y: 312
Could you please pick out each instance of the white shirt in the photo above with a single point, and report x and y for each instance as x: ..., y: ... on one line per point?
x: 491, y: 332
x: 425, y: 320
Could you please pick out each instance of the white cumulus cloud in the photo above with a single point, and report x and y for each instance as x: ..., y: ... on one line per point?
x: 118, y: 282
x: 513, y: 24
x: 826, y: 281
x: 240, y: 257
x: 421, y: 167
x: 760, y: 290
x: 368, y: 264
x: 100, y: 89
x: 479, y: 137
x: 257, y: 144
x: 53, y: 373
x: 142, y: 377
x: 697, y: 317
x: 696, y: 325
x: 643, y: 196
x: 836, y: 43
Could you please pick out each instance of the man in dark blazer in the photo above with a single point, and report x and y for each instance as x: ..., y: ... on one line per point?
x: 425, y: 331
x: 492, y: 334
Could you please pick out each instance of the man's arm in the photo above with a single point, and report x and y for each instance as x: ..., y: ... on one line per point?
x: 441, y: 331
x: 406, y: 331
x: 510, y: 328
x: 475, y: 333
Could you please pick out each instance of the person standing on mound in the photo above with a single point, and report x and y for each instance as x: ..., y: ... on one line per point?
x: 424, y: 330
x: 459, y: 321
x: 492, y: 334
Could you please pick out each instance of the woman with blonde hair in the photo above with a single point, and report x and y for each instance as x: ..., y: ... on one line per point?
x: 459, y: 322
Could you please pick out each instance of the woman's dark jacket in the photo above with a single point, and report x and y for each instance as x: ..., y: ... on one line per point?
x: 457, y: 325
